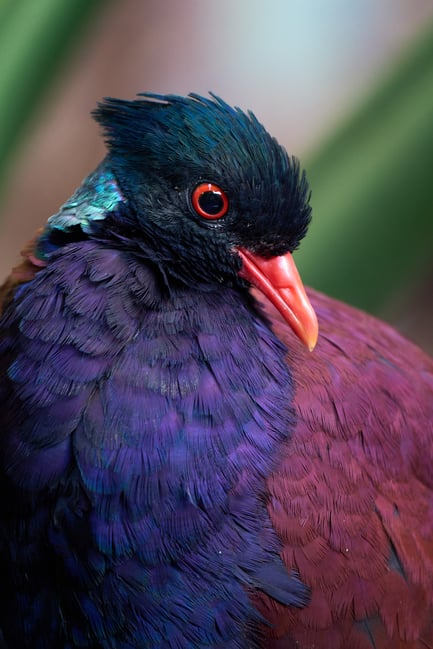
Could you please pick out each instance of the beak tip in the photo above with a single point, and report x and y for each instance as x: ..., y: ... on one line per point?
x: 310, y: 339
x: 312, y: 345
x: 308, y: 330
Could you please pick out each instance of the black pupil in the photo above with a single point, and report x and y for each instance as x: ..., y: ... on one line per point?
x: 211, y: 202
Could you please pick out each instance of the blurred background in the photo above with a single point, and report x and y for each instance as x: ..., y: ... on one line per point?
x: 345, y: 86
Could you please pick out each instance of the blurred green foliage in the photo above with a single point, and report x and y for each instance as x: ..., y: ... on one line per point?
x: 372, y: 191
x: 35, y: 37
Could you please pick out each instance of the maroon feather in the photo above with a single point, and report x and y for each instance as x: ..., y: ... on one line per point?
x: 352, y: 498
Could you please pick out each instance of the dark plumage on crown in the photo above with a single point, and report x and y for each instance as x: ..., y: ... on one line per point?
x: 170, y: 128
x: 186, y: 138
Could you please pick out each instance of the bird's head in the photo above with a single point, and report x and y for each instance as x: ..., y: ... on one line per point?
x: 205, y: 193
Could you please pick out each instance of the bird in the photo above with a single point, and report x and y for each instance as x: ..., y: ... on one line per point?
x: 197, y: 451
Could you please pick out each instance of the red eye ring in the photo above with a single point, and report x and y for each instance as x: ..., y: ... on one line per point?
x: 209, y: 201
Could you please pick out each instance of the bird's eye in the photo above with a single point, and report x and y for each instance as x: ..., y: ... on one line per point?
x: 209, y: 201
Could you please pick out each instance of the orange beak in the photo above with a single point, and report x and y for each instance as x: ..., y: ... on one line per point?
x: 278, y: 279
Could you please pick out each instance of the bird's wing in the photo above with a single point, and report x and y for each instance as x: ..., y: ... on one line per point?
x: 352, y: 498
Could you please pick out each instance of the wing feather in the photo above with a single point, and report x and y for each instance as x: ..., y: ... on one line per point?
x: 352, y: 498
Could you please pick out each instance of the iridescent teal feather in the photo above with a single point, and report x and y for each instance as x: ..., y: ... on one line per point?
x: 96, y: 197
x: 98, y: 194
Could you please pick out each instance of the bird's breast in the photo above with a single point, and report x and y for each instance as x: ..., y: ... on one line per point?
x: 164, y: 424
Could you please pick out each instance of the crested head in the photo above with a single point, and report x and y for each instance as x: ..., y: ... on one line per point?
x: 167, y: 157
x: 189, y: 139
